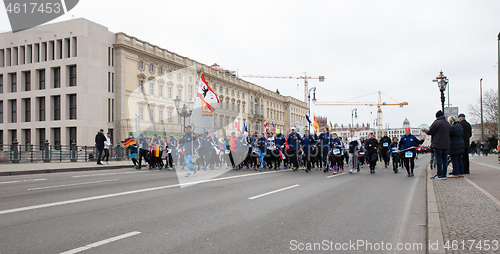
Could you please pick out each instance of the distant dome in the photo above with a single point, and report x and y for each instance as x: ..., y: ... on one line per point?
x: 406, y: 123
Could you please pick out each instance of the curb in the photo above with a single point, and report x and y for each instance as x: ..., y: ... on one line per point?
x: 434, y: 230
x: 59, y: 170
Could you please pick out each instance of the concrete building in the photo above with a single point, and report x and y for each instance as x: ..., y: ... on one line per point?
x: 65, y: 81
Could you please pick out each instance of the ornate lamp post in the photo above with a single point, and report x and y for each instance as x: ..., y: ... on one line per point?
x: 354, y: 113
x: 442, y: 81
x: 183, y: 112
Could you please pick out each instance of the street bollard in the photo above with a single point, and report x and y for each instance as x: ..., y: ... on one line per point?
x: 15, y: 151
x: 118, y: 153
x: 47, y: 151
x: 73, y: 151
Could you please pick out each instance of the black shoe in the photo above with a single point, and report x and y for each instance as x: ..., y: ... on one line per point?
x: 412, y: 174
x: 408, y: 175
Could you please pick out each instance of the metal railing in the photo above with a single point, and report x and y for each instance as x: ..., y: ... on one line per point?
x: 15, y: 153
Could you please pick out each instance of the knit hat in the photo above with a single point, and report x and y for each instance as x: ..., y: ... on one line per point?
x: 439, y: 113
x: 461, y: 115
x: 206, y: 132
x: 141, y: 135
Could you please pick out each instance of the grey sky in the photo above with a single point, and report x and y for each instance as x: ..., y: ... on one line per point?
x: 361, y: 47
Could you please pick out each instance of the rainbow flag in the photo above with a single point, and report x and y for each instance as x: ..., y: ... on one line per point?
x: 129, y: 142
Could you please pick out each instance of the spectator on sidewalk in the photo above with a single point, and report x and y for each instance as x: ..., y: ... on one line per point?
x: 107, y: 144
x: 99, y: 145
x: 479, y: 148
x: 473, y: 148
x: 486, y: 148
x: 456, y: 147
x: 440, y: 142
x: 467, y: 134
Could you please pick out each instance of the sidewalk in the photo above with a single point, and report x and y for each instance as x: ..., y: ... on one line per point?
x: 469, y: 208
x: 53, y: 167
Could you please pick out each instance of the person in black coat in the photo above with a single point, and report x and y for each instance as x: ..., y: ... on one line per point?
x: 456, y: 147
x: 467, y: 134
x: 371, y: 146
x: 440, y: 142
x: 384, y: 143
x: 99, y: 144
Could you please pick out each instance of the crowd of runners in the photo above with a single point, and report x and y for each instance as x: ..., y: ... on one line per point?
x: 273, y: 151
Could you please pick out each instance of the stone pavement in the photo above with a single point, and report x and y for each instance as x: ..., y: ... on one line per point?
x: 7, y: 169
x: 469, y: 208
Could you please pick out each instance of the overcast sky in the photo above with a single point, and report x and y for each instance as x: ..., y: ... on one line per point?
x: 397, y: 47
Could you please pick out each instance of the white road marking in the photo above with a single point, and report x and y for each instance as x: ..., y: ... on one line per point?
x: 336, y: 175
x: 27, y: 208
x: 271, y: 192
x: 96, y: 244
x: 66, y: 185
x: 23, y: 181
x: 119, y: 173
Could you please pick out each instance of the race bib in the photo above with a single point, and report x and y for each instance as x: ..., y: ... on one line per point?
x: 228, y: 151
x: 386, y: 144
x: 409, y: 154
x: 394, y: 149
x: 336, y: 151
x: 361, y: 153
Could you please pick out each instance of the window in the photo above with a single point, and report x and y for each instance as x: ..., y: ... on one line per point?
x: 220, y: 89
x: 169, y: 117
x: 72, y: 135
x: 72, y: 75
x: 151, y: 88
x: 238, y: 94
x: 151, y: 115
x: 56, y: 138
x: 233, y: 106
x: 190, y: 92
x: 141, y: 86
x: 170, y: 92
x: 13, y: 82
x: 160, y: 90
x: 109, y: 81
x: 41, y: 109
x: 243, y: 96
x: 169, y: 74
x: 1, y: 111
x: 41, y: 79
x: 13, y: 111
x: 57, y: 77
x: 27, y: 81
x: 141, y: 65
x: 141, y: 113
x: 160, y: 115
x: 56, y: 100
x: 243, y: 107
x: 232, y: 92
x: 190, y: 79
x: 238, y: 108
x: 1, y: 83
x: 214, y: 87
x: 27, y: 137
x: 112, y: 82
x: 179, y: 76
x: 151, y: 68
x: 27, y: 110
x: 41, y: 137
x: 179, y: 93
x: 72, y: 106
x: 227, y: 90
x: 160, y: 70
x: 221, y: 122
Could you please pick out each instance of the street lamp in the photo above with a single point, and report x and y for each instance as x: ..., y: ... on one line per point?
x: 481, y: 99
x: 354, y: 113
x: 442, y: 81
x: 183, y: 112
x: 313, y: 89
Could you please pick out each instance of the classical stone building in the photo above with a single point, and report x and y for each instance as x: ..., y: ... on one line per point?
x: 65, y: 81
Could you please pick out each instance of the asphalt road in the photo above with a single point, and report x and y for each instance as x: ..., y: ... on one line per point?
x: 128, y: 211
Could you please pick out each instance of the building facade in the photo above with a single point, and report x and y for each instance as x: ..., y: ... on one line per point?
x: 63, y: 82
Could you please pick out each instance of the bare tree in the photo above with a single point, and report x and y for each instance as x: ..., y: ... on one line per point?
x: 490, y: 112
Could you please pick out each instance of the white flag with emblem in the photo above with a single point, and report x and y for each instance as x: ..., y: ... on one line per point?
x: 207, y: 95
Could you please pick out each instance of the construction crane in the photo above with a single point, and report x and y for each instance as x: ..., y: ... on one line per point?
x: 305, y: 78
x: 378, y: 104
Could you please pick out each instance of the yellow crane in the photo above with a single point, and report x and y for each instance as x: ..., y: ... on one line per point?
x: 378, y: 104
x: 305, y: 78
